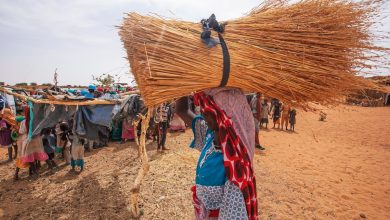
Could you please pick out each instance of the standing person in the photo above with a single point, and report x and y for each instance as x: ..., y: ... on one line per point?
x: 78, y: 154
x: 91, y: 89
x: 63, y: 141
x: 225, y: 186
x: 285, y: 115
x: 265, y: 112
x: 255, y: 105
x: 29, y: 150
x: 128, y: 132
x: 276, y: 113
x: 5, y: 137
x: 292, y: 114
x: 163, y: 115
x: 48, y: 142
x: 19, y: 163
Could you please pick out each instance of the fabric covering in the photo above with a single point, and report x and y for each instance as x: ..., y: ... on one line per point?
x: 5, y: 134
x: 93, y: 121
x: 177, y: 123
x: 233, y: 115
x: 46, y: 116
x: 130, y: 108
x: 128, y: 130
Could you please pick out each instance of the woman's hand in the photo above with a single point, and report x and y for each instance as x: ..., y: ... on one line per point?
x: 184, y: 111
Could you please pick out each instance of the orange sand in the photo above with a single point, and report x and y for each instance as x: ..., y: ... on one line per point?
x: 337, y: 169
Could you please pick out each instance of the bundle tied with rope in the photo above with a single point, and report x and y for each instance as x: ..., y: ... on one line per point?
x: 310, y: 51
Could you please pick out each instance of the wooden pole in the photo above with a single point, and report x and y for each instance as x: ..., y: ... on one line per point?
x: 135, y: 190
x: 58, y: 102
x: 135, y: 125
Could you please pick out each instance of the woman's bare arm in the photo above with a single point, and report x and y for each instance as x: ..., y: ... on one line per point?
x: 184, y: 111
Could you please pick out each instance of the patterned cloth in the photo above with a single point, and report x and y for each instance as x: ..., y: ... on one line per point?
x: 233, y: 102
x: 5, y: 134
x: 233, y: 205
x: 237, y: 160
x: 128, y: 129
x: 210, y: 192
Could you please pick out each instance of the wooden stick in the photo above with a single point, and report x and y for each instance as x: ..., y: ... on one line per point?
x: 135, y: 190
x: 135, y: 125
x: 54, y: 102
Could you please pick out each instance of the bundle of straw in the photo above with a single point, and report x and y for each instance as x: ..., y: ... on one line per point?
x: 310, y: 51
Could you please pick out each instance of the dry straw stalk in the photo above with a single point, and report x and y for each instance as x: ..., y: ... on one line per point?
x: 310, y: 51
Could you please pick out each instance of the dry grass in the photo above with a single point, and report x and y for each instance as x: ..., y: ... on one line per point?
x: 310, y: 51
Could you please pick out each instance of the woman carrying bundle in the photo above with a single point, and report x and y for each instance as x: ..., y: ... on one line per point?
x: 224, y: 133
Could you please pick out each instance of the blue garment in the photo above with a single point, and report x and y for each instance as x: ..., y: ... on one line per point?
x: 87, y: 94
x: 210, y: 170
x: 92, y: 87
x: 48, y: 142
x: 78, y: 162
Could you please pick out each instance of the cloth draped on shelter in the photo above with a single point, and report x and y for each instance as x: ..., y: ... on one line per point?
x: 93, y: 121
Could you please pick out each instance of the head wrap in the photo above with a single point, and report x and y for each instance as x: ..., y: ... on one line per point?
x: 236, y: 130
x: 92, y: 87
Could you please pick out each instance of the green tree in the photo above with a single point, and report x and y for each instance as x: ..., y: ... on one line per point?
x: 33, y: 84
x: 104, y: 79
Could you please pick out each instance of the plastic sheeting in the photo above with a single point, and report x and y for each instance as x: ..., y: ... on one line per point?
x: 46, y: 115
x: 92, y: 122
x: 130, y: 108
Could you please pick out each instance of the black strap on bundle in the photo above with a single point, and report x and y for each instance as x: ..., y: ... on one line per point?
x: 212, y: 23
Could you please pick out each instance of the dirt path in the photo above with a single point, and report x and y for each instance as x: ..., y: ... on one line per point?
x: 336, y: 169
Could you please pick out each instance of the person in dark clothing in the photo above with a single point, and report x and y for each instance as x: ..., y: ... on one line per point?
x: 163, y: 115
x: 276, y: 113
x: 292, y: 114
x: 255, y: 104
x: 5, y: 138
x: 48, y: 141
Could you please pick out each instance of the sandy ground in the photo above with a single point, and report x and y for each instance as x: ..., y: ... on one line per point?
x: 338, y: 169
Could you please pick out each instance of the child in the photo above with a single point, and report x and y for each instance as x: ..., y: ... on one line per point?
x: 128, y: 132
x: 19, y: 163
x: 78, y: 154
x: 48, y: 142
x: 29, y: 150
x: 5, y: 137
x: 276, y: 114
x: 292, y: 114
x: 285, y: 115
x: 264, y: 113
x: 63, y: 140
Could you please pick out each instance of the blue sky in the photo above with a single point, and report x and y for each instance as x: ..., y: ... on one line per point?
x: 80, y: 38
